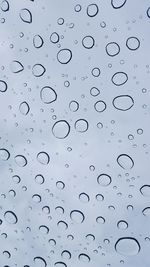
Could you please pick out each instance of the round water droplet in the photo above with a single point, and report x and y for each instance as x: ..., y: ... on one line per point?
x: 46, y: 209
x: 92, y: 10
x: 60, y: 185
x: 64, y: 56
x: 10, y: 217
x: 123, y: 102
x: 94, y: 91
x: 88, y: 42
x: 122, y: 225
x: 38, y: 70
x: 4, y: 154
x: 61, y: 129
x: 99, y: 197
x: 38, y: 41
x: 36, y: 198
x: 96, y: 72
x: 40, y: 262
x: 43, y: 158
x: 127, y: 246
x: 20, y: 160
x: 146, y: 212
x: 145, y: 190
x: 4, y: 5
x: 54, y: 38
x: 118, y: 3
x: 112, y: 49
x: 66, y: 255
x: 104, y: 179
x: 73, y: 106
x: 81, y: 125
x: 24, y: 108
x: 39, y: 178
x: 60, y: 264
x: 84, y: 258
x: 16, y: 66
x: 84, y: 197
x: 100, y: 106
x: 90, y: 237
x: 119, y: 78
x: 3, y: 86
x: 44, y: 229
x: 77, y: 216
x: 62, y: 225
x: 26, y: 15
x: 133, y: 43
x: 100, y: 220
x: 16, y: 179
x: 125, y: 161
x: 48, y: 95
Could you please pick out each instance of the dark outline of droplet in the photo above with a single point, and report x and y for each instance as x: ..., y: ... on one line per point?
x: 75, y: 125
x: 100, y: 217
x: 38, y: 257
x: 60, y: 208
x: 127, y: 238
x: 91, y: 16
x: 123, y: 222
x: 64, y: 223
x: 17, y: 177
x: 60, y: 182
x: 45, y: 153
x: 95, y: 88
x: 92, y: 40
x: 105, y: 175
x: 120, y: 97
x: 110, y: 44
x: 44, y: 69
x: 67, y: 252
x: 145, y: 185
x: 126, y: 155
x: 67, y: 132
x: 9, y: 254
x: 99, y: 72
x: 41, y: 176
x: 83, y: 193
x: 23, y: 158
x: 133, y: 37
x: 119, y: 72
x: 26, y: 21
x: 105, y: 106
x: 64, y: 49
x: 76, y: 103
x: 81, y: 213
x: 7, y: 7
x: 24, y: 102
x: 45, y: 227
x: 90, y: 235
x: 1, y: 81
x: 9, y: 211
x: 147, y: 12
x: 40, y: 39
x: 57, y: 36
x: 4, y: 149
x: 147, y: 208
x: 79, y: 7
x: 85, y: 255
x: 60, y: 262
x: 16, y: 61
x: 53, y: 92
x: 119, y: 6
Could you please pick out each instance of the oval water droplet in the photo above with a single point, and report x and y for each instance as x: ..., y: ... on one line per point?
x: 127, y: 246
x: 122, y: 225
x: 54, y: 38
x: 39, y: 179
x: 38, y: 70
x: 112, y: 49
x: 64, y: 56
x: 43, y: 158
x: 84, y: 258
x: 61, y: 129
x: 133, y: 43
x: 118, y: 3
x: 119, y: 78
x: 104, y: 179
x: 40, y: 262
x: 38, y: 41
x: 44, y: 229
x: 73, y: 106
x: 4, y: 154
x: 123, y: 102
x: 92, y: 10
x: 77, y: 216
x: 24, y: 108
x: 66, y: 255
x: 81, y: 125
x: 48, y: 95
x: 84, y: 197
x: 4, y: 5
x: 26, y: 15
x: 88, y: 42
x: 145, y: 190
x: 60, y: 264
x: 3, y: 86
x: 20, y: 160
x: 146, y: 212
x: 100, y: 106
x: 125, y: 161
x: 10, y: 217
x: 16, y: 66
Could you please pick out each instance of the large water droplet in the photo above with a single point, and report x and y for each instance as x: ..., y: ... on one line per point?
x: 16, y: 66
x: 146, y: 212
x: 125, y: 161
x: 92, y: 10
x: 26, y: 15
x: 4, y: 154
x: 38, y: 41
x: 48, y: 95
x: 43, y: 158
x: 118, y: 3
x: 119, y: 78
x: 104, y: 179
x: 20, y: 160
x: 84, y: 258
x: 77, y: 216
x: 4, y: 5
x: 81, y: 125
x: 61, y: 129
x: 127, y: 246
x: 24, y: 108
x: 64, y: 56
x: 38, y: 70
x: 40, y: 262
x: 123, y: 102
x: 145, y: 190
x: 10, y: 217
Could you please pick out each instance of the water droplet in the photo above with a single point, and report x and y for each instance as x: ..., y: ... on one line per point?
x: 20, y: 160
x: 44, y: 229
x: 145, y: 190
x: 88, y: 42
x: 38, y: 70
x: 54, y: 38
x: 16, y: 66
x: 81, y: 125
x: 4, y: 5
x: 3, y: 86
x: 99, y: 197
x: 73, y: 106
x: 4, y: 154
x: 36, y: 198
x: 96, y: 72
x: 43, y: 158
x: 122, y: 225
x: 133, y: 43
x: 127, y: 246
x: 92, y: 10
x: 38, y: 41
x: 77, y: 216
x: 64, y: 56
x: 125, y: 161
x: 94, y: 91
x: 26, y: 15
x: 46, y: 209
x: 16, y: 179
x: 60, y: 185
x: 118, y: 3
x: 146, y: 212
x: 48, y: 95
x: 100, y: 220
x: 100, y: 106
x: 119, y: 78
x: 61, y: 129
x: 10, y: 217
x: 66, y: 255
x: 24, y: 108
x: 123, y: 102
x: 84, y: 258
x: 60, y: 264
x: 148, y: 12
x: 112, y: 49
x: 40, y: 262
x: 104, y: 179
x: 84, y: 197
x: 39, y: 179
x: 62, y: 225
